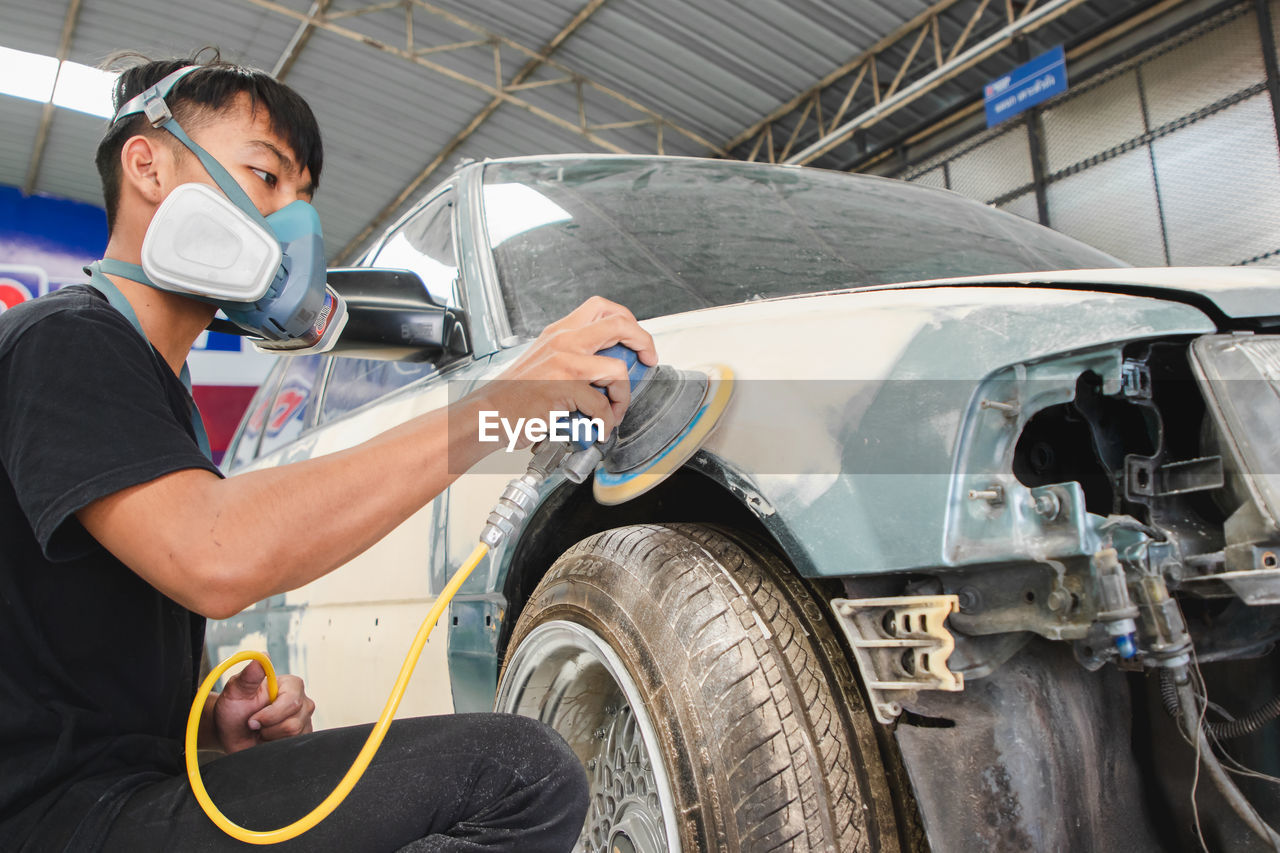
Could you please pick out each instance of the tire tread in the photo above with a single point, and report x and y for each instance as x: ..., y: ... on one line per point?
x: 757, y: 645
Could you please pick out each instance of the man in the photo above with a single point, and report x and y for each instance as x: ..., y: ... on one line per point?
x: 120, y: 537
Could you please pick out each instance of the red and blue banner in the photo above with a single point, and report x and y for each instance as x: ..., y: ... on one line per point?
x: 45, y: 243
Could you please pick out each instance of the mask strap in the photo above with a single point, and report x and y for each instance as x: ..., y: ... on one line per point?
x: 124, y: 269
x: 151, y: 103
x: 220, y: 176
x: 99, y: 282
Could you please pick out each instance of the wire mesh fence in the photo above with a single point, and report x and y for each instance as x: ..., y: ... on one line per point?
x: 1170, y: 157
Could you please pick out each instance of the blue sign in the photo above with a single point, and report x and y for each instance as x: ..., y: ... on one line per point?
x: 1025, y: 86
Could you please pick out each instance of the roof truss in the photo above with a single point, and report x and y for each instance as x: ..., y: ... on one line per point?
x: 916, y: 58
x: 500, y: 89
x: 507, y: 92
x: 518, y: 83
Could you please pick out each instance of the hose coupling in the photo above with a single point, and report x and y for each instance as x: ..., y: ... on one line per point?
x: 520, y: 496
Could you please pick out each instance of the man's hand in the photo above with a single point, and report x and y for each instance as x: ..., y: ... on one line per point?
x: 244, y: 717
x: 556, y: 373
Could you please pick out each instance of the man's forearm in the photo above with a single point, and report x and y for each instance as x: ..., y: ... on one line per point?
x: 217, y: 546
x: 225, y: 544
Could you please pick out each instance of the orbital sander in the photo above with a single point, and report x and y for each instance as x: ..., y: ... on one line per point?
x: 671, y: 414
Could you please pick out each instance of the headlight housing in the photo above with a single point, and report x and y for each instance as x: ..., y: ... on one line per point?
x: 1240, y: 378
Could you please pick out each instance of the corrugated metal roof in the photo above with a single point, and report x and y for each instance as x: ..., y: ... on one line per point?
x: 713, y: 67
x: 18, y: 121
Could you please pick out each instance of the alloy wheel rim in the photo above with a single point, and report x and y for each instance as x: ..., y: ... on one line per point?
x: 565, y: 675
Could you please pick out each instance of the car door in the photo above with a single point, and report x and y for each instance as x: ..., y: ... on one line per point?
x: 346, y: 633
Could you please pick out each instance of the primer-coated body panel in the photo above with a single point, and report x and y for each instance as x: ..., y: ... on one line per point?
x: 844, y: 421
x: 847, y: 409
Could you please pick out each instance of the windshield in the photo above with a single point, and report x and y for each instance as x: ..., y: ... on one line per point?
x: 665, y: 236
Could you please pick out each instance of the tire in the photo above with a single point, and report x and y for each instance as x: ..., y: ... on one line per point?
x: 702, y: 687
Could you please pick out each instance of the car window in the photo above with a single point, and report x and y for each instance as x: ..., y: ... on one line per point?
x: 245, y: 447
x: 291, y: 402
x: 356, y: 381
x: 665, y: 236
x: 424, y: 244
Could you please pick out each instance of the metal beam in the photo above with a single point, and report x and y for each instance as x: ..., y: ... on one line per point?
x: 299, y: 40
x: 516, y: 84
x: 46, y: 115
x: 327, y: 22
x: 966, y: 112
x: 858, y: 62
x: 1031, y: 19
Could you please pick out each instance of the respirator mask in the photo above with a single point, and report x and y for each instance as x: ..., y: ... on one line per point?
x: 267, y: 274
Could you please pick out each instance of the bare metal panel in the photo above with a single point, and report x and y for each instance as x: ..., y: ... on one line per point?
x: 1093, y: 121
x: 997, y: 166
x: 1112, y: 206
x: 1203, y: 71
x: 1220, y: 186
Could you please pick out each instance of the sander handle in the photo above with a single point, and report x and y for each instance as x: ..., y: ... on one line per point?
x: 637, y: 371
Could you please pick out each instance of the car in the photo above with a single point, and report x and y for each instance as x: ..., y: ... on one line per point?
x: 985, y: 507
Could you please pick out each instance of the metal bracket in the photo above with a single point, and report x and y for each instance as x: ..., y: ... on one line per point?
x: 1135, y: 379
x: 901, y: 645
x: 1144, y: 478
x: 1257, y: 584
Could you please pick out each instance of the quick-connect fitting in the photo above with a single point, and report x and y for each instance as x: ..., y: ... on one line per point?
x: 521, y: 494
x: 579, y: 466
x: 509, y: 513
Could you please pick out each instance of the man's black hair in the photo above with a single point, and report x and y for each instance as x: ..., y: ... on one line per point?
x: 193, y: 100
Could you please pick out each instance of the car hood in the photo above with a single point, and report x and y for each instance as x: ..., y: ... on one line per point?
x: 1236, y: 292
x: 847, y: 407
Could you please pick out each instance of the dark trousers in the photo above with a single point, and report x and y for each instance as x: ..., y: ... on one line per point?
x: 464, y: 782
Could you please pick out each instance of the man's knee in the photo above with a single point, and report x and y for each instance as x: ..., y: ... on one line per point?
x: 543, y: 747
x: 547, y: 762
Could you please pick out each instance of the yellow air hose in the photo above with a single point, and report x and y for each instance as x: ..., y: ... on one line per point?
x: 331, y: 802
x: 517, y: 499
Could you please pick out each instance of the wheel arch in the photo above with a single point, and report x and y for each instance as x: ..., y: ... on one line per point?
x: 705, y: 491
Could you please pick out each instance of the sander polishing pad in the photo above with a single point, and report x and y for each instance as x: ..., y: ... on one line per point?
x: 672, y: 413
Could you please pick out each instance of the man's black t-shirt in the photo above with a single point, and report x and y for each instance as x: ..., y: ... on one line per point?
x: 97, y: 667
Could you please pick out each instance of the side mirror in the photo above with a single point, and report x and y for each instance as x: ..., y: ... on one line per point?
x: 392, y: 317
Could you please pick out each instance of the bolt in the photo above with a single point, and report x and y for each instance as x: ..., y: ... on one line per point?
x: 591, y: 764
x: 1059, y: 599
x: 1009, y: 410
x: 993, y: 495
x: 610, y: 710
x: 970, y: 599
x: 600, y: 733
x: 1047, y: 506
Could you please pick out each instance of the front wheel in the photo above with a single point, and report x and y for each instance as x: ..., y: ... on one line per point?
x: 704, y: 691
